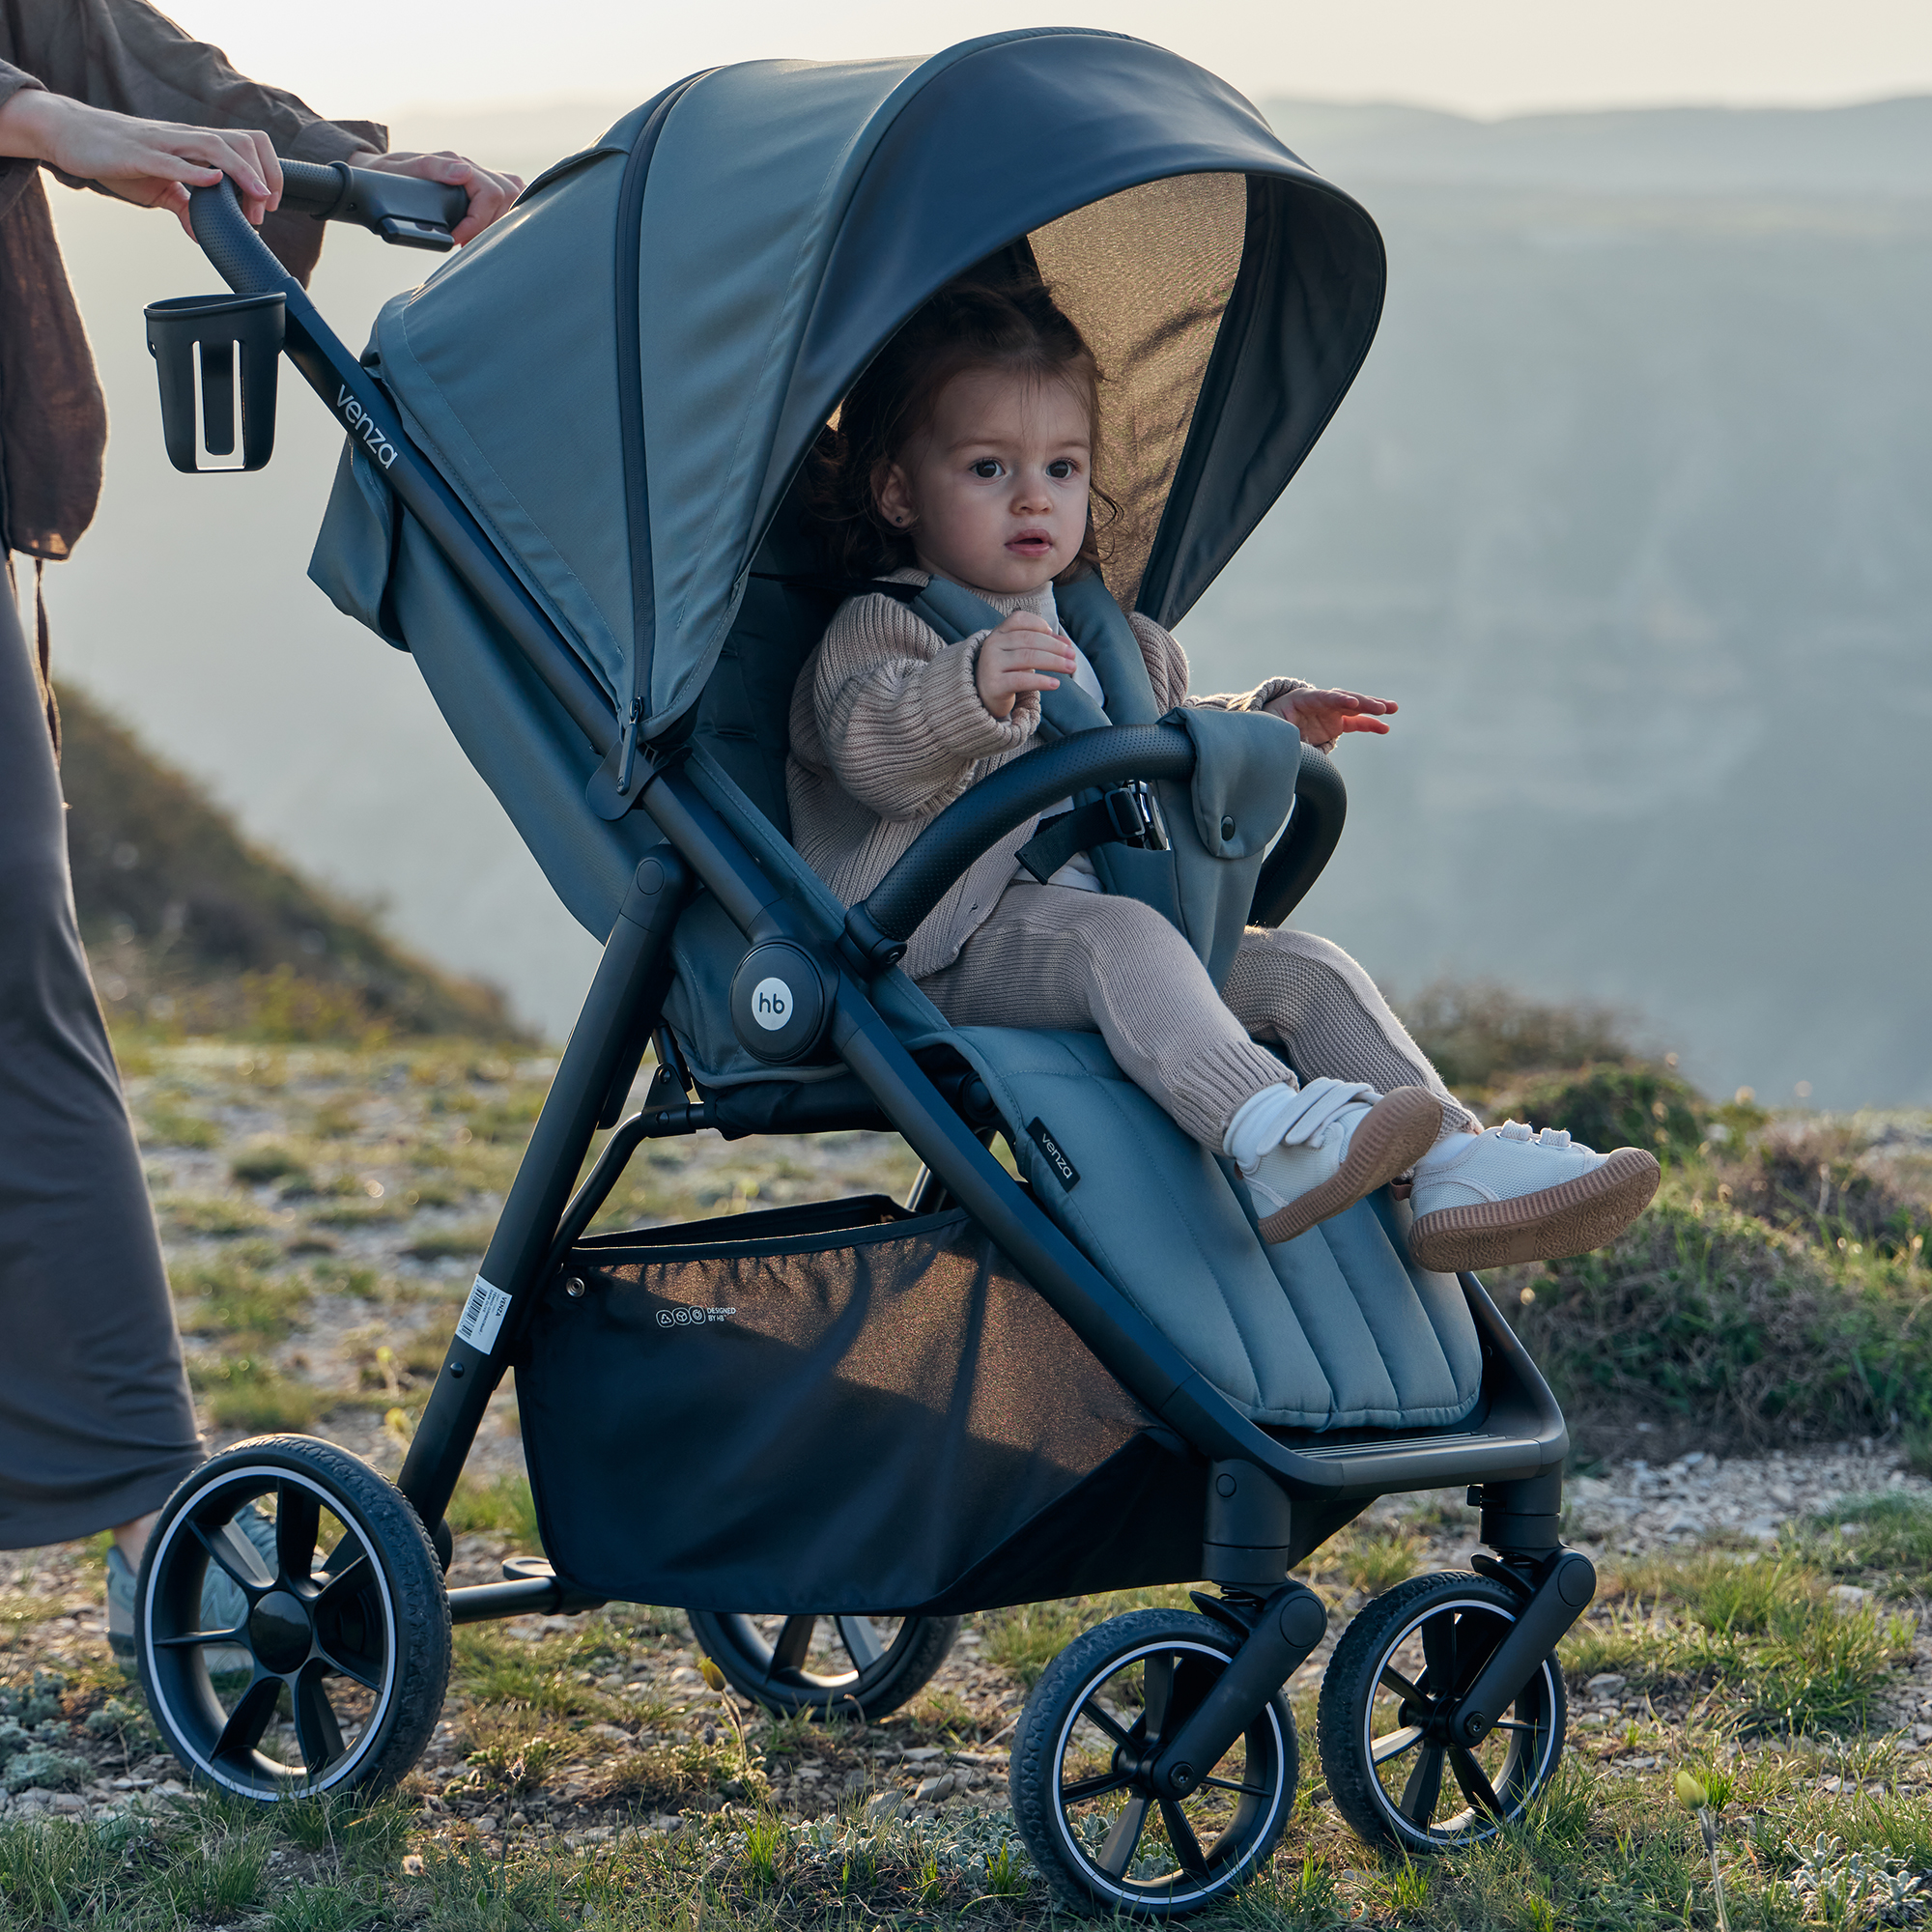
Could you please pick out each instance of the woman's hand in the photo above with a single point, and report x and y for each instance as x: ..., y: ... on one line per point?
x: 151, y: 164
x: 490, y: 194
x: 1324, y: 716
x: 1021, y: 655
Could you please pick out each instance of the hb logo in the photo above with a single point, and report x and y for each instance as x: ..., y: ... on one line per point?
x: 771, y: 1004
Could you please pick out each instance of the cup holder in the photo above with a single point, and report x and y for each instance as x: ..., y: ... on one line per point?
x: 236, y: 343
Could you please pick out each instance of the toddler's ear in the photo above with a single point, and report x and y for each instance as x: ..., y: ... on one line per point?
x: 891, y: 492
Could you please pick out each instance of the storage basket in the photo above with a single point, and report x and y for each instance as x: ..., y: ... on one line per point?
x: 839, y: 1408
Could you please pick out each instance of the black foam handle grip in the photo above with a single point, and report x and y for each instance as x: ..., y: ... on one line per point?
x: 971, y: 825
x: 228, y: 239
x: 311, y: 187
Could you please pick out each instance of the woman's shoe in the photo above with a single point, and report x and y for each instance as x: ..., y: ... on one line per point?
x: 1362, y: 1145
x: 1509, y: 1194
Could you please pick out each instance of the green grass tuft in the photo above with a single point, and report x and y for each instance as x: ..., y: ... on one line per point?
x: 498, y: 1505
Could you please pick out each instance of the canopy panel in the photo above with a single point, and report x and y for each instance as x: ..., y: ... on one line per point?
x: 781, y: 218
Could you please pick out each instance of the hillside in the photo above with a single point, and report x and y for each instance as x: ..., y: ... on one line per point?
x: 189, y: 926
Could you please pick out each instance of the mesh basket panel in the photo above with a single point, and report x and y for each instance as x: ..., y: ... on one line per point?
x: 814, y: 1418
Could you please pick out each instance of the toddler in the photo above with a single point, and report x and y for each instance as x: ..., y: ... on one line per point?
x: 966, y: 452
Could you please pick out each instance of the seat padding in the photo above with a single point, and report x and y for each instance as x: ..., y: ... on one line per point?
x: 1334, y: 1330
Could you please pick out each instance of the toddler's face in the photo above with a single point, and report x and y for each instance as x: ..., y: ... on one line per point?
x: 995, y: 493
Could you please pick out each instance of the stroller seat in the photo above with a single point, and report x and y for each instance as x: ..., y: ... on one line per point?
x: 1334, y: 1330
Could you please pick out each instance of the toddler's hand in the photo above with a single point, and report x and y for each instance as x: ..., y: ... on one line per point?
x: 1324, y: 716
x: 1022, y: 655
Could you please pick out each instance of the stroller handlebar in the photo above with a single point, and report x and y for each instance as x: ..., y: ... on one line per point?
x: 971, y: 825
x: 405, y: 210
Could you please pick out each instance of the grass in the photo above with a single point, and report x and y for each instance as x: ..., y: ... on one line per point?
x: 252, y: 1397
x: 211, y: 1215
x: 267, y: 1162
x: 1762, y: 1634
x: 1732, y: 1314
x: 464, y: 1243
x: 179, y: 1127
x: 494, y: 1505
x: 245, y: 1307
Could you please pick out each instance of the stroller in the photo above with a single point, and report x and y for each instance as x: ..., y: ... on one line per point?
x: 571, y: 491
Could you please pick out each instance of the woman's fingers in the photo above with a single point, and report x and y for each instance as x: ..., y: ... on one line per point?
x: 490, y: 193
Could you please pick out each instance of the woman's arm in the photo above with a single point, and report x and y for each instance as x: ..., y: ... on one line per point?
x: 125, y: 57
x: 898, y: 714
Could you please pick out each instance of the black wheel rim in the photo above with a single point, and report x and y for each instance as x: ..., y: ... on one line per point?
x: 1137, y: 1848
x: 1435, y: 1788
x: 294, y: 1696
x: 819, y: 1661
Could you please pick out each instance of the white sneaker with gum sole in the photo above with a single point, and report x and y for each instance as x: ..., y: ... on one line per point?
x: 1362, y: 1145
x: 1509, y: 1194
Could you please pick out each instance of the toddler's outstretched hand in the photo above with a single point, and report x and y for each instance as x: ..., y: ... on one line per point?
x: 1023, y: 654
x: 1323, y: 716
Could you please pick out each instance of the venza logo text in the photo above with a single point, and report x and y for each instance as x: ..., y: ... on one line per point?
x: 677, y: 1316
x: 361, y: 423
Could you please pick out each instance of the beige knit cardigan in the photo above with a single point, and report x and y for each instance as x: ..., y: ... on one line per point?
x: 888, y: 729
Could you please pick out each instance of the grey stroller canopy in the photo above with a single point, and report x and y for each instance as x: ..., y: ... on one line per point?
x: 622, y: 379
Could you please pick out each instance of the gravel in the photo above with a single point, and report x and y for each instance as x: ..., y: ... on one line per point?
x: 1633, y: 1506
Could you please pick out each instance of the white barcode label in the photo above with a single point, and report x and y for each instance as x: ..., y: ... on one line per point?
x: 482, y: 1315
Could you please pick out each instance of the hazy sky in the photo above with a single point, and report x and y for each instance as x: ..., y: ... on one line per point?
x: 374, y: 57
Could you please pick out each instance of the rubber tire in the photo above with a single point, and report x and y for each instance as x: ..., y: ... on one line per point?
x: 1348, y: 1682
x: 381, y: 1519
x: 1033, y: 1782
x: 920, y: 1648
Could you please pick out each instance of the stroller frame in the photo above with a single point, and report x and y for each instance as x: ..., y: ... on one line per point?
x: 1269, y: 1501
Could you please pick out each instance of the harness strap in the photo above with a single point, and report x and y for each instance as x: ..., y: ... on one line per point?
x: 1125, y: 815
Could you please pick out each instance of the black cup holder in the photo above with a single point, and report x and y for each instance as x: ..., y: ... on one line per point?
x: 227, y: 330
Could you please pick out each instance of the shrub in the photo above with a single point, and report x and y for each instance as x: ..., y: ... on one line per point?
x: 1611, y: 1107
x: 1476, y: 1032
x: 1809, y: 1178
x: 1725, y: 1333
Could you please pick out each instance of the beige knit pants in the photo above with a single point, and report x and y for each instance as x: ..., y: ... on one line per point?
x: 1091, y: 962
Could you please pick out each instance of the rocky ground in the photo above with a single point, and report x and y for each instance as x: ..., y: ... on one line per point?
x: 324, y: 1214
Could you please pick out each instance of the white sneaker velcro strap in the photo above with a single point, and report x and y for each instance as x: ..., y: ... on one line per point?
x: 1317, y: 1107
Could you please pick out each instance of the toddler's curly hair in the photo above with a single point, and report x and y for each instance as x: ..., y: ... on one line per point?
x: 969, y: 324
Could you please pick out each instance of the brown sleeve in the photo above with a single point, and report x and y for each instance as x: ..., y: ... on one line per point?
x: 1167, y: 668
x: 123, y: 55
x: 893, y: 713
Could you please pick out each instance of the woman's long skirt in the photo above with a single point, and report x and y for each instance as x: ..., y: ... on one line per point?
x: 96, y: 1423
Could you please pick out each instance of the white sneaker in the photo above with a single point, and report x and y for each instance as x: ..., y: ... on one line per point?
x: 1346, y: 1143
x: 1512, y: 1195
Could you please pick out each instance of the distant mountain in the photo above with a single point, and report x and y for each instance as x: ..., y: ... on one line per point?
x: 1631, y: 508
x: 186, y: 922
x: 1884, y: 148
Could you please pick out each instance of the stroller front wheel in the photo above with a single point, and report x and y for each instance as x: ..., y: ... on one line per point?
x: 1393, y: 1769
x: 292, y: 1624
x: 1096, y: 1722
x: 824, y: 1665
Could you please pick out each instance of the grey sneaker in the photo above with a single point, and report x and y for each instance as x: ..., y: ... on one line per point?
x: 223, y: 1604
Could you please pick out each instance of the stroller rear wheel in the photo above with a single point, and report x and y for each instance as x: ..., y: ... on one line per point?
x: 1093, y: 1726
x: 1393, y: 1771
x: 332, y: 1673
x: 826, y: 1666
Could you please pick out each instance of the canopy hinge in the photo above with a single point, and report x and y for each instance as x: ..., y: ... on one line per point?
x: 627, y: 746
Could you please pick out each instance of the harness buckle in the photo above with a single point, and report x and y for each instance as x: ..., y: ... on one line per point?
x: 1135, y: 816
